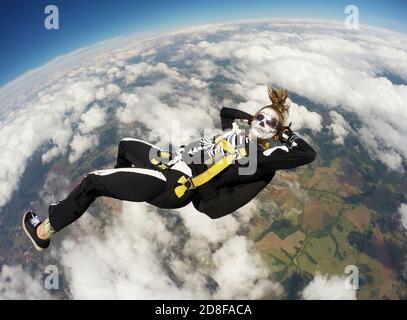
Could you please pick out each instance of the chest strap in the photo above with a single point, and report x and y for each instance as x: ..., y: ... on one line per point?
x: 215, y: 169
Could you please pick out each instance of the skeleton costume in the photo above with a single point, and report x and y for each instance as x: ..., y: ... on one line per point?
x: 196, y: 173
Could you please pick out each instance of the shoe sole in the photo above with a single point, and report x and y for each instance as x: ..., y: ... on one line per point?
x: 28, y: 234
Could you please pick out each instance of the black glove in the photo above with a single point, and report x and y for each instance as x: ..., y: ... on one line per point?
x: 287, y: 136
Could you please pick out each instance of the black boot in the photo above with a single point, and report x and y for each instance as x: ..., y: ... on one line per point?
x: 30, y: 224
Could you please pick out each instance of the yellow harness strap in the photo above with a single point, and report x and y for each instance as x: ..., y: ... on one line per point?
x: 211, y: 172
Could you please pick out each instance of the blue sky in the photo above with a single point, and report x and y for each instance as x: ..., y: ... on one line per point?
x: 26, y: 44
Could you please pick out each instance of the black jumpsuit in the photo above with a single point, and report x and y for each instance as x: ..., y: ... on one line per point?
x: 136, y: 178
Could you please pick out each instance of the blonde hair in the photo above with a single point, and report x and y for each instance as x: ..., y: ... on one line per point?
x: 278, y: 97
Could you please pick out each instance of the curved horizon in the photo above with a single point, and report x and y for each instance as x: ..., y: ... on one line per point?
x: 86, y: 24
x: 143, y: 36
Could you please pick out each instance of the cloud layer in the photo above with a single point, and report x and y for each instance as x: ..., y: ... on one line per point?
x: 141, y: 254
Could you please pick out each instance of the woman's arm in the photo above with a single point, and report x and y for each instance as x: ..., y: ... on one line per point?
x: 286, y: 156
x: 228, y: 199
x: 229, y: 115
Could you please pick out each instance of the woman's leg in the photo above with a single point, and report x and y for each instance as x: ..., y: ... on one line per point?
x: 130, y: 184
x: 135, y: 152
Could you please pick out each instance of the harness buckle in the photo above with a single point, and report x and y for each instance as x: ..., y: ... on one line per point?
x: 185, y: 184
x: 189, y: 184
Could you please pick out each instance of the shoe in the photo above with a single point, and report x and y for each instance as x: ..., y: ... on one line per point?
x: 30, y: 224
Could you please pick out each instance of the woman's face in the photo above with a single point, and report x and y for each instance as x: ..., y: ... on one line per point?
x: 264, y: 124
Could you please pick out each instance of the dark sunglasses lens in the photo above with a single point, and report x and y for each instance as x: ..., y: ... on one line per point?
x: 271, y: 123
x: 259, y: 117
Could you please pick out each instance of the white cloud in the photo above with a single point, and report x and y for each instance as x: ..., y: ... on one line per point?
x: 130, y: 258
x: 51, y: 72
x: 301, y: 117
x: 39, y: 120
x: 53, y: 188
x: 324, y: 287
x: 111, y: 90
x: 92, y: 119
x: 18, y: 284
x: 80, y: 144
x: 134, y: 71
x: 403, y: 213
x: 199, y: 84
x: 374, y: 145
x: 172, y: 107
x: 339, y: 127
x: 207, y: 68
x: 239, y: 273
x: 149, y: 52
x: 213, y: 231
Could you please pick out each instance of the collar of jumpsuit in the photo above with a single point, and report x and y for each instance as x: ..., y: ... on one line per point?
x: 264, y: 124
